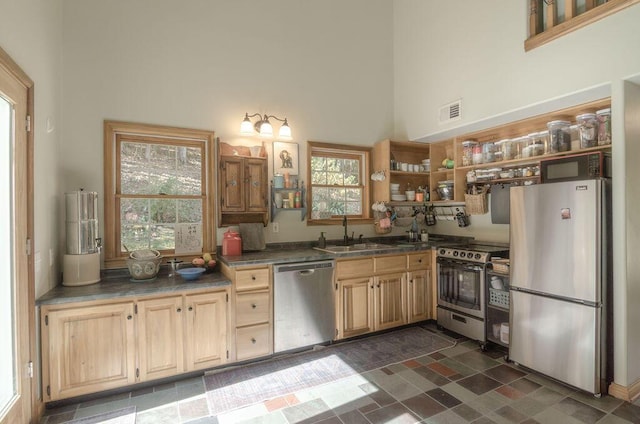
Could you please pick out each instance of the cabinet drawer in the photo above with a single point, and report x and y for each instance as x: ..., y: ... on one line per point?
x: 354, y: 268
x: 252, y: 308
x: 420, y: 260
x: 252, y: 342
x: 250, y: 279
x: 390, y: 263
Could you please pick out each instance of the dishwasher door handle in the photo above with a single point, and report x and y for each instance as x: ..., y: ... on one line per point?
x: 305, y: 272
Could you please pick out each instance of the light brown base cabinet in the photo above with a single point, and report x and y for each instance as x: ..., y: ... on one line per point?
x: 419, y: 285
x: 100, y: 345
x: 253, y: 311
x: 381, y: 292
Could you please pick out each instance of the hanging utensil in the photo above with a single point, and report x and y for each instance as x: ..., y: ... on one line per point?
x: 430, y: 217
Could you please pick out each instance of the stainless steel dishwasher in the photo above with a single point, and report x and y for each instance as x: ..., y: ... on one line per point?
x: 304, y: 306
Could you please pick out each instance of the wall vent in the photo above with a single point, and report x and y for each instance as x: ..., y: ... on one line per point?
x: 451, y: 112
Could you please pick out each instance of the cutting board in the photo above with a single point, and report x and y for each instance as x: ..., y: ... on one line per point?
x: 252, y: 235
x: 500, y: 203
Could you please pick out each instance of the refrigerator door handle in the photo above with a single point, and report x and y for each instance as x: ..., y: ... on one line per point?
x: 562, y: 298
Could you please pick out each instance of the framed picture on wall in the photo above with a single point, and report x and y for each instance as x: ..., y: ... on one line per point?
x: 285, y: 158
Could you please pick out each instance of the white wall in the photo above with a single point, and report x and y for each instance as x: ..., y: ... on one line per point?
x: 203, y: 64
x: 464, y: 49
x: 31, y: 34
x: 474, y: 50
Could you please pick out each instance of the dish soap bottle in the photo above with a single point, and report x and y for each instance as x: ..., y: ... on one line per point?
x: 322, y: 242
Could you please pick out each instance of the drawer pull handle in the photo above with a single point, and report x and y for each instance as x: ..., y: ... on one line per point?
x: 420, y: 260
x: 179, y: 309
x: 254, y: 306
x: 191, y: 308
x: 129, y: 317
x: 253, y: 340
x: 253, y: 277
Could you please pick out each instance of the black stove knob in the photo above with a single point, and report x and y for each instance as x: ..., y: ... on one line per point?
x: 478, y: 256
x: 463, y: 254
x: 442, y: 251
x: 455, y: 253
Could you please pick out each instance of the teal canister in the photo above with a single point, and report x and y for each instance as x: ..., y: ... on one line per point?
x: 278, y: 181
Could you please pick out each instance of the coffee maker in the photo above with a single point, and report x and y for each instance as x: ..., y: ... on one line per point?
x: 81, y: 264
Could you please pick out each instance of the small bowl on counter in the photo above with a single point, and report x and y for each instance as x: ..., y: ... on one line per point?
x: 191, y: 274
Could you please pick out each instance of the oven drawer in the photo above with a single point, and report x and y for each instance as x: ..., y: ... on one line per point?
x: 465, y: 325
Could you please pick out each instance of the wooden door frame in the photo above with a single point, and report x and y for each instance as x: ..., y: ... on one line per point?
x: 35, y: 405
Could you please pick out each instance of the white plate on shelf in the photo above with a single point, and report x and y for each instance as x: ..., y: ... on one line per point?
x: 398, y: 197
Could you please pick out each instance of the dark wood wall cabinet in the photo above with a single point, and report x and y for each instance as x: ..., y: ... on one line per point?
x: 242, y: 186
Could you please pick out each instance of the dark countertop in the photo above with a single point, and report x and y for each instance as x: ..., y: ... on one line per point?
x: 304, y: 252
x: 117, y: 283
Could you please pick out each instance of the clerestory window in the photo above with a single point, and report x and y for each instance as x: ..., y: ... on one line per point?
x: 551, y: 19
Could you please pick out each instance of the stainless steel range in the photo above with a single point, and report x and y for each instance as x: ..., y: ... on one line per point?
x: 461, y: 287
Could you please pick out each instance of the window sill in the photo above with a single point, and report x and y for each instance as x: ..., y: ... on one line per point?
x: 338, y: 221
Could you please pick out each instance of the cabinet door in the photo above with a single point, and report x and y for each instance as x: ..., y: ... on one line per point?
x: 89, y: 349
x: 389, y: 301
x: 256, y: 180
x: 160, y: 335
x: 232, y: 184
x: 355, y: 301
x: 418, y: 304
x: 206, y: 330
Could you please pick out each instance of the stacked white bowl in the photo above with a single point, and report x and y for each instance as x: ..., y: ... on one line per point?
x: 396, y: 196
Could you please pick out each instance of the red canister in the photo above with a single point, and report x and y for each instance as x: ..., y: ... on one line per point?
x: 231, y: 243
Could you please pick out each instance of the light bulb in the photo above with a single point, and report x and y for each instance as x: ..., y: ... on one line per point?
x: 246, y: 127
x: 266, y: 130
x: 285, y: 131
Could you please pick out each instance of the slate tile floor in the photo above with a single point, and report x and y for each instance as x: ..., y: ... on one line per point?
x: 459, y: 384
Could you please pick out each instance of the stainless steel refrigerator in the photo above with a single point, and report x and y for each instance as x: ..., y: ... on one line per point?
x: 560, y: 280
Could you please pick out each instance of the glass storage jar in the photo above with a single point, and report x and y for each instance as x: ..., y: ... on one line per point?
x: 604, y: 126
x: 588, y: 129
x: 488, y: 152
x: 559, y: 137
x: 506, y: 147
x: 467, y: 152
x: 517, y: 144
x: 477, y: 156
x: 534, y: 145
x: 574, y: 136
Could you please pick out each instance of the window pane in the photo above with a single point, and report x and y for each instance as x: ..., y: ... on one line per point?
x: 149, y: 223
x: 163, y: 211
x: 189, y: 211
x: 156, y: 168
x: 7, y: 274
x: 341, y: 176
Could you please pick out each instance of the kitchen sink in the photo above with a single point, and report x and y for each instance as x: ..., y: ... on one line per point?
x: 358, y: 247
